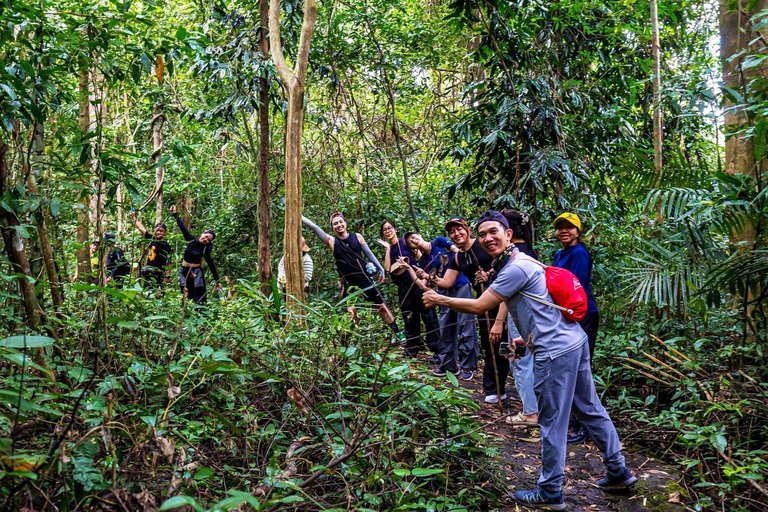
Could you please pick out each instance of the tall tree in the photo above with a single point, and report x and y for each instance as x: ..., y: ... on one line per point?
x: 739, y: 38
x: 265, y: 263
x: 38, y: 160
x: 294, y: 82
x: 83, y: 219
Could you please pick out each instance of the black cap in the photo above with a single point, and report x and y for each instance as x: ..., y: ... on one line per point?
x: 493, y: 215
x: 110, y: 237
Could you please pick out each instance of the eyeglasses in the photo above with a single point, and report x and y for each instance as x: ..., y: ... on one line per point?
x: 388, y: 228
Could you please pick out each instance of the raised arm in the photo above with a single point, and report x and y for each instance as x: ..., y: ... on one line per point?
x: 138, y: 224
x: 370, y: 255
x: 322, y: 235
x: 184, y: 231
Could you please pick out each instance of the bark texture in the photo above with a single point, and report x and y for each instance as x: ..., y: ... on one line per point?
x: 83, y: 219
x: 265, y: 214
x: 294, y: 82
x: 38, y: 160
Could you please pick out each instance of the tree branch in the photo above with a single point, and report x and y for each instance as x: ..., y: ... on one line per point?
x: 275, y: 45
x: 307, y: 27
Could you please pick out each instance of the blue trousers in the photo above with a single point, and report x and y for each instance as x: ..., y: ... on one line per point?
x: 458, y: 335
x: 522, y: 370
x: 559, y: 383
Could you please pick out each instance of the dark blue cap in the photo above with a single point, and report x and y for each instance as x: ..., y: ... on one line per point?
x: 493, y: 215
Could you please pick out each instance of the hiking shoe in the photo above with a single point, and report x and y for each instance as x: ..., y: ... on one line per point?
x: 578, y: 436
x: 466, y: 375
x: 617, y: 481
x: 439, y: 373
x: 539, y: 498
x: 494, y: 399
x: 505, y: 349
x: 399, y: 338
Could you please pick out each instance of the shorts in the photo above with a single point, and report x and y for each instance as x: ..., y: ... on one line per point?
x: 371, y: 293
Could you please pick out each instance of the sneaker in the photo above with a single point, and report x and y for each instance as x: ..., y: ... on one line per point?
x: 617, y: 481
x: 494, y: 399
x: 399, y: 338
x: 505, y: 349
x: 439, y: 373
x: 466, y: 375
x: 539, y: 498
x: 578, y: 436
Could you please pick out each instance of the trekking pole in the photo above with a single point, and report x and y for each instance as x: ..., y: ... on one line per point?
x: 488, y: 325
x: 493, y: 356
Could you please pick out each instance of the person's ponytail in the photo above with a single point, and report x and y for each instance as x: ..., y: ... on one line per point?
x: 520, y: 224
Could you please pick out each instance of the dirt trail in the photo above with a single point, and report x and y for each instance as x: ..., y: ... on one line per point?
x: 520, y: 459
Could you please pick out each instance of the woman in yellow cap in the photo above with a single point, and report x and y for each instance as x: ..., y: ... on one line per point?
x: 575, y: 257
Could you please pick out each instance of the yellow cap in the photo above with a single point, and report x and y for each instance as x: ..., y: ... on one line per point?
x: 570, y: 217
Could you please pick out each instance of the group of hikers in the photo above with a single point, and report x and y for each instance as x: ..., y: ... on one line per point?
x: 493, y: 299
x: 494, y: 285
x: 156, y: 270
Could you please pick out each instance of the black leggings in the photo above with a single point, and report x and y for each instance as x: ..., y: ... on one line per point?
x: 590, y: 324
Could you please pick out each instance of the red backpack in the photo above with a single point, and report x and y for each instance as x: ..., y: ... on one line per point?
x: 566, y: 292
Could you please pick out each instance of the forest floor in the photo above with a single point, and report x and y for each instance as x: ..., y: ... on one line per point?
x: 520, y: 459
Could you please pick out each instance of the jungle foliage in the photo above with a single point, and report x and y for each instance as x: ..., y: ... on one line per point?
x: 121, y: 396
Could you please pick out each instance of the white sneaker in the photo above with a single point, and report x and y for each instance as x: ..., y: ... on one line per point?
x: 494, y: 399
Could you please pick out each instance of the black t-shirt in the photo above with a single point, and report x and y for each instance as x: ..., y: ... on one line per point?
x: 470, y: 262
x: 158, y: 251
x: 348, y: 255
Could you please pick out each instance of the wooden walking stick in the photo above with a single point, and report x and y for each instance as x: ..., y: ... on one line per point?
x: 493, y: 349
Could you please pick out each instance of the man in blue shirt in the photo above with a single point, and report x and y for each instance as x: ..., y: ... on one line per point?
x: 562, y: 374
x: 458, y: 333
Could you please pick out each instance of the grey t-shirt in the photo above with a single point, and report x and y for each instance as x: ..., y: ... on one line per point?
x: 553, y: 334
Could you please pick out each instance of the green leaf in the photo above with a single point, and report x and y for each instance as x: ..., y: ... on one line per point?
x: 20, y: 342
x: 419, y: 472
x: 180, y: 501
x: 55, y: 207
x: 202, y: 474
x: 452, y: 379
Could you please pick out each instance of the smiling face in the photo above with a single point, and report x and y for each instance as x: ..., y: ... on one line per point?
x: 493, y: 237
x: 339, y: 225
x: 94, y: 248
x: 389, y: 232
x: 159, y: 232
x: 206, y: 238
x: 567, y: 233
x: 414, y: 241
x: 458, y: 235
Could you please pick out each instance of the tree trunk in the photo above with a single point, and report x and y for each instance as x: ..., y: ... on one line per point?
x: 14, y: 246
x: 83, y: 219
x: 657, y: 127
x: 265, y: 214
x: 736, y: 33
x: 294, y: 82
x: 158, y: 120
x: 38, y: 159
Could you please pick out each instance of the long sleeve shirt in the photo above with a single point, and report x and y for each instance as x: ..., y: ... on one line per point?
x: 195, y: 251
x: 576, y: 259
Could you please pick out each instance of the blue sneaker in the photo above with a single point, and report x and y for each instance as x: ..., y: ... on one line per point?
x: 617, y: 481
x: 539, y: 498
x: 466, y: 375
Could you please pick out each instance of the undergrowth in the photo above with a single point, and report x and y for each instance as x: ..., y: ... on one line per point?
x: 139, y: 403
